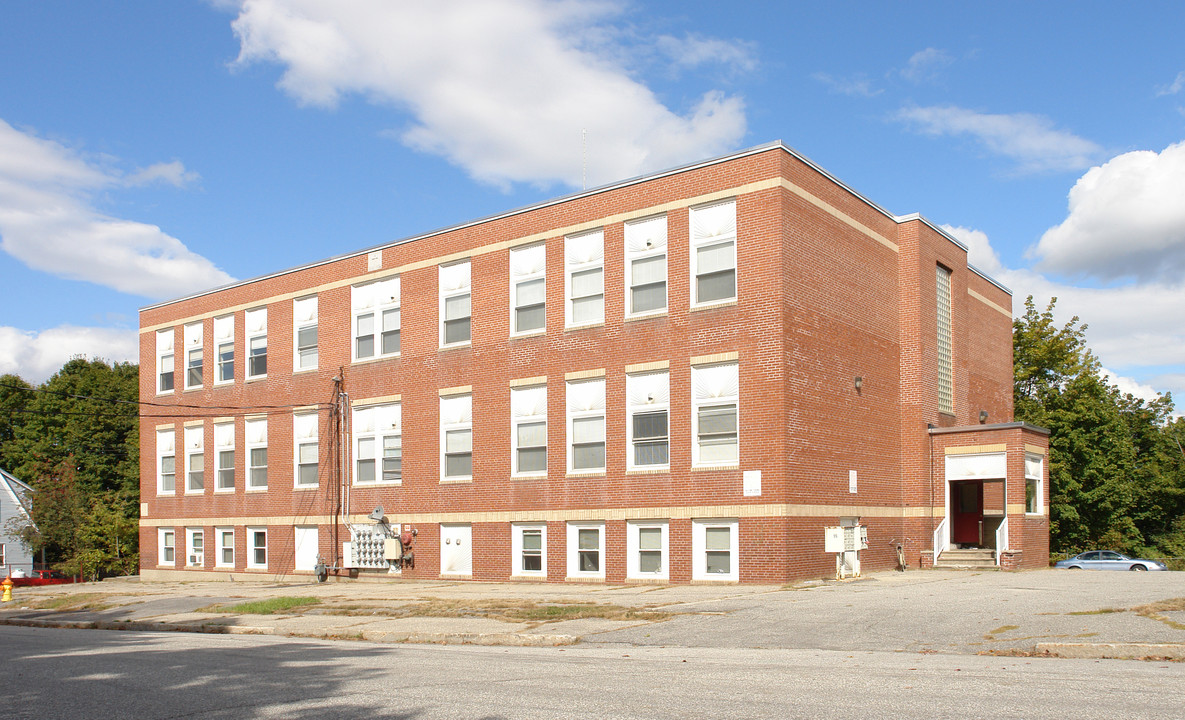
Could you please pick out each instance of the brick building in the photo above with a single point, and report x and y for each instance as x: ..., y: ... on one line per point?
x: 682, y: 377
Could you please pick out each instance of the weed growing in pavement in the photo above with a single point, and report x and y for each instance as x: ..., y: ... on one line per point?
x: 1100, y: 611
x: 270, y: 606
x: 1154, y: 610
x: 73, y: 601
x: 504, y: 610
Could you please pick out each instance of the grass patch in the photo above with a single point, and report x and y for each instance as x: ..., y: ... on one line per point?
x: 271, y: 606
x: 1100, y: 611
x: 1153, y: 611
x: 1004, y: 629
x: 73, y: 601
x: 505, y: 610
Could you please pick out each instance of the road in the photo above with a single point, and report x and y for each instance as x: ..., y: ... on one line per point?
x: 54, y: 673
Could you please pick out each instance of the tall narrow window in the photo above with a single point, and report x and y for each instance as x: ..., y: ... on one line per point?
x: 528, y: 289
x: 714, y: 550
x: 715, y: 392
x: 226, y: 547
x: 376, y: 319
x: 646, y: 265
x: 164, y: 361
x: 224, y: 346
x: 456, y: 437
x: 195, y: 459
x: 167, y: 545
x: 648, y: 396
x: 584, y: 278
x: 528, y: 413
x: 529, y: 549
x: 224, y: 449
x: 193, y: 355
x: 195, y: 550
x: 586, y: 425
x: 257, y: 548
x: 304, y: 317
x: 455, y: 304
x: 714, y: 252
x: 378, y: 444
x: 586, y: 543
x: 646, y: 549
x: 1034, y: 479
x: 256, y: 322
x: 946, y: 382
x: 166, y: 462
x: 304, y: 433
x: 255, y: 430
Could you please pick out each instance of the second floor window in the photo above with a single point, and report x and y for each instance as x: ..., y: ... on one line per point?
x: 164, y: 361
x: 648, y: 396
x: 256, y: 329
x: 304, y: 317
x: 455, y: 304
x: 376, y: 319
x: 193, y: 355
x: 584, y: 278
x: 646, y: 265
x: 224, y: 347
x: 528, y: 289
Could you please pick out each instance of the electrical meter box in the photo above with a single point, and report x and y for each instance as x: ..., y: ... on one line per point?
x: 833, y: 539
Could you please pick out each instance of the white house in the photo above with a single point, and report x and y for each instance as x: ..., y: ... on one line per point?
x: 15, y: 502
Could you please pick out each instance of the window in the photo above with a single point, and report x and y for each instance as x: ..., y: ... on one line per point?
x: 195, y: 459
x: 166, y: 462
x: 456, y: 437
x: 224, y: 346
x: 715, y: 389
x: 946, y: 393
x: 714, y: 550
x: 257, y: 548
x: 167, y: 546
x: 376, y: 319
x: 304, y: 433
x: 224, y: 449
x: 528, y: 289
x: 164, y: 360
x: 646, y: 547
x: 378, y: 444
x: 256, y: 324
x: 528, y: 420
x: 713, y: 252
x: 304, y: 318
x: 646, y: 265
x: 648, y: 396
x: 586, y: 425
x: 586, y: 542
x: 529, y: 549
x: 255, y: 430
x: 194, y: 547
x: 193, y: 356
x: 1034, y: 479
x: 584, y: 278
x: 226, y: 547
x: 455, y: 307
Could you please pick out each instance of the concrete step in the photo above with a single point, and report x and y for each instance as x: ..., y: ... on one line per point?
x: 977, y: 559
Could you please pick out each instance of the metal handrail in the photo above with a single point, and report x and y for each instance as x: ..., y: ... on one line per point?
x: 1001, y: 538
x: 940, y: 539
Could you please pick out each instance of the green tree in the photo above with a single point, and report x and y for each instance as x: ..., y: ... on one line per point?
x: 15, y: 395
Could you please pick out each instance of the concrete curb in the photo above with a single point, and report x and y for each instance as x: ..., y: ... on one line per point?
x: 1114, y: 651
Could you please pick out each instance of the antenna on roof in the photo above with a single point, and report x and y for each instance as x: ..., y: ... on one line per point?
x: 583, y: 159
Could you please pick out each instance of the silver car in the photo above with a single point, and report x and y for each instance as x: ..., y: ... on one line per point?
x: 1107, y: 560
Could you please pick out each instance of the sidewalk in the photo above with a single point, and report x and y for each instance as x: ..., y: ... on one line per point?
x: 1040, y: 612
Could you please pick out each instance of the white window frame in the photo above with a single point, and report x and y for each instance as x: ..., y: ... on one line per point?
x: 528, y: 407
x: 253, y: 548
x: 574, y: 550
x: 456, y: 285
x: 456, y: 416
x: 166, y: 544
x: 528, y: 268
x: 583, y: 254
x: 699, y: 549
x: 714, y: 387
x: 166, y: 447
x: 224, y: 338
x: 647, y: 392
x: 711, y: 226
x: 221, y: 534
x: 1035, y: 473
x: 255, y: 332
x: 195, y: 448
x: 304, y: 319
x: 194, y: 355
x: 255, y: 437
x: 373, y: 427
x: 165, y: 352
x: 645, y: 241
x: 224, y: 445
x: 518, y: 551
x: 380, y: 302
x: 585, y: 404
x: 634, y: 550
x: 305, y: 435
x: 195, y: 548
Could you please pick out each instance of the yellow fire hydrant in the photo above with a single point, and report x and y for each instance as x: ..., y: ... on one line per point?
x: 7, y: 585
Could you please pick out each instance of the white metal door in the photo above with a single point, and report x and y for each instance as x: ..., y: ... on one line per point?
x: 456, y: 550
x: 306, y: 547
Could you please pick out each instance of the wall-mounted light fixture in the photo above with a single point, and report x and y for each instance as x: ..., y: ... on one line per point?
x: 983, y: 416
x: 859, y: 383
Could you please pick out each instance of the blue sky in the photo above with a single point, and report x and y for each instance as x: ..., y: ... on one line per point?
x: 151, y: 149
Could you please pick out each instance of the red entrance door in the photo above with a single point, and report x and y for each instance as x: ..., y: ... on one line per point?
x: 966, y: 513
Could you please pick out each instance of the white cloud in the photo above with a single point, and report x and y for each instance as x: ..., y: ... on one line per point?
x: 1128, y: 386
x: 47, y: 221
x: 696, y: 50
x: 1030, y: 140
x: 925, y: 65
x: 979, y: 249
x: 1126, y: 219
x: 37, y: 356
x: 501, y: 88
x: 857, y: 86
x: 1174, y: 87
x: 171, y: 173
